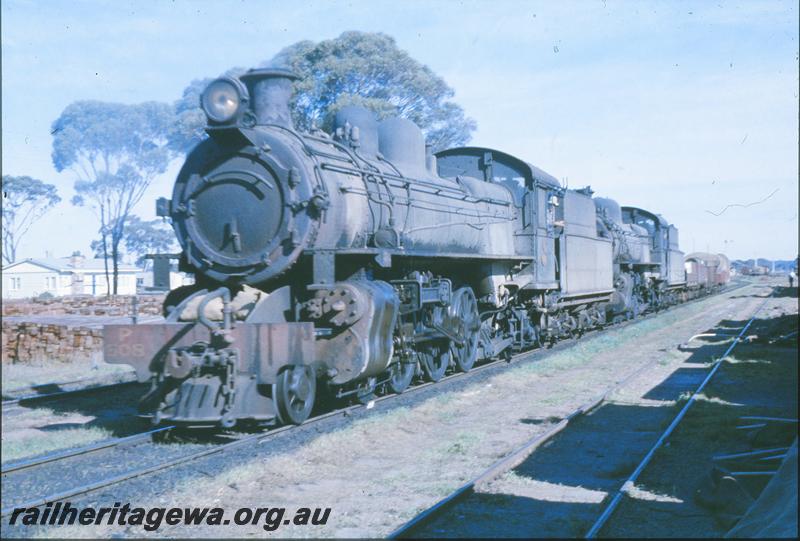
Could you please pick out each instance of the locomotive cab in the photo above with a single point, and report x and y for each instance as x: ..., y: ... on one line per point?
x: 538, y: 197
x: 665, y: 247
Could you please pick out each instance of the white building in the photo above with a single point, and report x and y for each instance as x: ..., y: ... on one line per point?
x: 74, y: 275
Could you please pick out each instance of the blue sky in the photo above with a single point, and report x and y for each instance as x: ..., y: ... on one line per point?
x: 680, y: 107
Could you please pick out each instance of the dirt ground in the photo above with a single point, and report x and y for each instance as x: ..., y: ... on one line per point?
x: 380, y: 471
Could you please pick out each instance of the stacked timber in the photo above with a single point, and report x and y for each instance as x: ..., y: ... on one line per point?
x: 26, y: 342
x: 83, y: 305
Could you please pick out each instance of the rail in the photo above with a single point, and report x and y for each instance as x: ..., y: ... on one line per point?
x: 92, y: 448
x: 629, y: 482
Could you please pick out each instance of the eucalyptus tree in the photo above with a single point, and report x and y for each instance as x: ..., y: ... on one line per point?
x: 356, y: 68
x: 115, y: 151
x: 25, y: 200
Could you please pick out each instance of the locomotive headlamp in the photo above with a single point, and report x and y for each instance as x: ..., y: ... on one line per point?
x: 222, y: 100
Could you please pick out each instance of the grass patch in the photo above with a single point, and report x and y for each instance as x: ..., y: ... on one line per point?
x: 442, y: 490
x: 464, y: 443
x: 461, y: 446
x: 18, y: 449
x: 18, y: 377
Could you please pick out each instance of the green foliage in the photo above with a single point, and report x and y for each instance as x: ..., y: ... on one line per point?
x: 147, y: 237
x: 368, y: 69
x: 95, y: 136
x: 189, y: 124
x: 115, y: 150
x: 356, y: 68
x: 140, y: 238
x: 25, y: 200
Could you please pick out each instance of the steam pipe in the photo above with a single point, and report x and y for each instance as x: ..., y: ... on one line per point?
x: 225, y: 293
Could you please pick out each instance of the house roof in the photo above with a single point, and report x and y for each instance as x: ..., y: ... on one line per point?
x: 63, y: 264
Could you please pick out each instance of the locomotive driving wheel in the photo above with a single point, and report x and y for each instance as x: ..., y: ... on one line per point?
x: 294, y: 393
x: 434, y: 358
x: 400, y: 375
x: 464, y: 309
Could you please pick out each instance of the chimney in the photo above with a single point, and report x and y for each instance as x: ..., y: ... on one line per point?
x: 76, y: 260
x: 270, y: 90
x: 430, y: 159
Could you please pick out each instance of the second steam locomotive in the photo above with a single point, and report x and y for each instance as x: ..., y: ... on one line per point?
x: 356, y: 261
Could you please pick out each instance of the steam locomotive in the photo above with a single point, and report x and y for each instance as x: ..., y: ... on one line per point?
x: 357, y: 261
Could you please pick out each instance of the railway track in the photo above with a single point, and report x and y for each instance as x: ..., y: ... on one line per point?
x: 85, y: 458
x: 104, y: 445
x: 507, y: 463
x: 620, y: 493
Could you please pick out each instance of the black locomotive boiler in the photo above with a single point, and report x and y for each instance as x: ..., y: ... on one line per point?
x: 358, y: 260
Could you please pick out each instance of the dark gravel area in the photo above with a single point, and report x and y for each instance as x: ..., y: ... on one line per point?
x: 762, y: 381
x: 560, y: 490
x: 78, y: 384
x: 113, y: 407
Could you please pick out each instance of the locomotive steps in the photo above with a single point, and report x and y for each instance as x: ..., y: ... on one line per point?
x: 466, y: 425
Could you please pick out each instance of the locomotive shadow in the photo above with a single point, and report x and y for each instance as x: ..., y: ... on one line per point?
x: 763, y: 291
x: 785, y: 291
x: 115, y: 414
x: 761, y: 331
x: 709, y: 345
x: 560, y: 490
x: 121, y: 419
x: 35, y: 390
x: 781, y: 330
